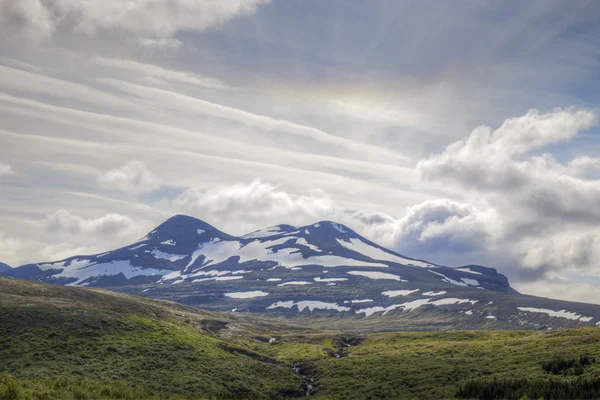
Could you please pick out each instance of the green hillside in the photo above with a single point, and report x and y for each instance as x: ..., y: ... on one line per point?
x: 74, y: 343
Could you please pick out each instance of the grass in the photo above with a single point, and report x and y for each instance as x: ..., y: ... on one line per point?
x: 73, y: 343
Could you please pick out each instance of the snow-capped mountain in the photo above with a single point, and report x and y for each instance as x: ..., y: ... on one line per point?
x: 323, y: 269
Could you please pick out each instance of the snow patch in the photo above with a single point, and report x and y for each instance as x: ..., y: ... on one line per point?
x: 449, y: 280
x: 166, y: 256
x: 317, y: 279
x: 378, y: 254
x: 559, y: 314
x: 376, y: 275
x: 339, y: 228
x: 432, y: 293
x: 303, y: 242
x: 273, y: 279
x: 295, y: 283
x: 470, y: 271
x: 82, y: 270
x: 311, y: 305
x: 228, y: 278
x: 358, y: 301
x: 412, y: 305
x: 246, y: 295
x: 471, y: 282
x: 396, y: 293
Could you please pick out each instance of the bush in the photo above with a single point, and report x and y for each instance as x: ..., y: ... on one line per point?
x: 10, y: 390
x: 559, y: 365
x: 547, y: 389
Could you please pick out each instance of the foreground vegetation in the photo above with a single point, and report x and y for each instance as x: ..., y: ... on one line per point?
x: 73, y: 343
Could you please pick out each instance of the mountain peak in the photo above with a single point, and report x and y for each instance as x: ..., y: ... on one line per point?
x: 184, y: 226
x: 331, y: 228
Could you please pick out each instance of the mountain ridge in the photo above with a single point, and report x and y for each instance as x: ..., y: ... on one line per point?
x: 320, y: 273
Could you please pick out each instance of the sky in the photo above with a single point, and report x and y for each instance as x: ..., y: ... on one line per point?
x: 461, y: 132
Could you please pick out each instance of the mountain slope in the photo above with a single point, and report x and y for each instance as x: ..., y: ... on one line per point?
x: 73, y: 343
x: 4, y: 267
x: 325, y: 271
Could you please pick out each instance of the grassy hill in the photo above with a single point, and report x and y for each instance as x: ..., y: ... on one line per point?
x: 75, y: 343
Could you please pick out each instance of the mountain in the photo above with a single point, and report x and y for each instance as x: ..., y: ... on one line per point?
x: 4, y: 267
x: 325, y: 271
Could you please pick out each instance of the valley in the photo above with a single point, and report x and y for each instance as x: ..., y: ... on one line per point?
x: 73, y: 343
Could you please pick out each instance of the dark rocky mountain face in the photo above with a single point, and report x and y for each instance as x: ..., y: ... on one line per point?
x: 322, y: 270
x: 4, y: 267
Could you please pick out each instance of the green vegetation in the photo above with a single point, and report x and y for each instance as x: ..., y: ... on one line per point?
x: 73, y: 343
x: 547, y: 389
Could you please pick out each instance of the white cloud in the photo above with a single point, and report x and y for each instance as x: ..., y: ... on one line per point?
x: 440, y: 229
x: 6, y: 170
x: 26, y: 20
x: 63, y: 222
x: 549, y: 209
x: 569, y: 250
x: 247, y: 206
x: 555, y: 287
x: 133, y: 177
x: 161, y: 73
x: 164, y: 44
x: 155, y: 20
x: 484, y: 160
x: 9, y: 249
x: 65, y: 250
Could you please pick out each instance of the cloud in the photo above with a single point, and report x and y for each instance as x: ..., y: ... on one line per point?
x: 439, y: 229
x: 248, y: 206
x: 484, y: 160
x: 549, y: 209
x: 555, y: 287
x: 133, y: 177
x: 9, y: 249
x: 156, y: 72
x: 65, y: 250
x: 37, y: 20
x: 63, y: 222
x: 569, y: 251
x: 26, y: 20
x: 6, y: 170
x: 160, y: 43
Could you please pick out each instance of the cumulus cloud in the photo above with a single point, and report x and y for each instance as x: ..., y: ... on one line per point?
x: 549, y: 209
x: 63, y: 222
x: 248, y: 206
x: 155, y: 20
x: 6, y: 170
x: 485, y: 159
x: 133, y: 177
x: 444, y: 230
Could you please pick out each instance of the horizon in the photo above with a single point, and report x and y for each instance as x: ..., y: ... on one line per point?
x: 459, y: 134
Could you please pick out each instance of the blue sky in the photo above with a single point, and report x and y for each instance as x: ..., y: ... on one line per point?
x: 250, y: 113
